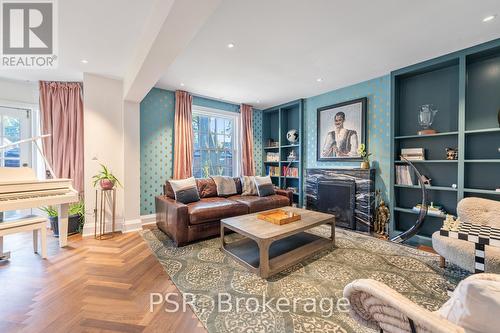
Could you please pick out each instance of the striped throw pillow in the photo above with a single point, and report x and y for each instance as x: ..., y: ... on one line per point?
x: 185, y: 190
x: 264, y: 186
x: 248, y: 185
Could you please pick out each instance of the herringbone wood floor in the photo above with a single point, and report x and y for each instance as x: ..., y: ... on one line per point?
x: 89, y: 286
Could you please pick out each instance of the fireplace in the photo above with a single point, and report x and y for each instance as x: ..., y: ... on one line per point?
x: 338, y: 197
x: 347, y: 193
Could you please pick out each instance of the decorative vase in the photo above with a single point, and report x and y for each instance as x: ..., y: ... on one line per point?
x: 106, y: 184
x: 426, y: 116
x: 73, y: 224
x: 365, y: 165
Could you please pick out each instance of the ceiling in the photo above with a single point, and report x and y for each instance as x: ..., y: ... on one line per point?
x: 105, y: 33
x: 281, y: 46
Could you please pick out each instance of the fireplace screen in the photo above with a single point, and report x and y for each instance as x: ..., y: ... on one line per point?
x: 338, y: 197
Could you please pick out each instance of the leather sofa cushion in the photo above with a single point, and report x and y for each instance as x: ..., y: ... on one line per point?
x: 257, y: 204
x: 214, y: 209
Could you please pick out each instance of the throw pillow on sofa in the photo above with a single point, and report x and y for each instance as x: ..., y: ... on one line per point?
x: 185, y: 190
x: 248, y: 185
x: 264, y: 186
x: 225, y: 185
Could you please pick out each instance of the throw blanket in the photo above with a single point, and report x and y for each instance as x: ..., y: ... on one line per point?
x: 225, y: 185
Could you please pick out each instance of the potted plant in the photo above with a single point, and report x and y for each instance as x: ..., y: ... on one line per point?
x: 365, y: 164
x: 76, y: 218
x: 105, y: 178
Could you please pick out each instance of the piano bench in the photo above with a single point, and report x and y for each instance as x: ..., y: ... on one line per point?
x: 34, y: 223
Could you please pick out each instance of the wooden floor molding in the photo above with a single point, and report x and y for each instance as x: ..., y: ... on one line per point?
x: 90, y: 286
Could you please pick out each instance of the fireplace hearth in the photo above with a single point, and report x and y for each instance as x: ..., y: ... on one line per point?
x: 349, y: 194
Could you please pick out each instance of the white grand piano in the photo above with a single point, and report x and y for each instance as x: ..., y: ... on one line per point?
x: 20, y: 189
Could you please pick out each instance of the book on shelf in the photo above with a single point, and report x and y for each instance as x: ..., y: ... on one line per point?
x: 405, y: 175
x: 290, y: 171
x: 273, y: 171
x: 413, y: 154
x: 432, y: 210
x: 272, y: 157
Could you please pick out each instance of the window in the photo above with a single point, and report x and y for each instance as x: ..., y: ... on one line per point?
x: 215, y: 143
x: 14, y: 126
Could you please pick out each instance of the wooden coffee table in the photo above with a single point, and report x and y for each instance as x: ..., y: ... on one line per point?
x: 268, y: 248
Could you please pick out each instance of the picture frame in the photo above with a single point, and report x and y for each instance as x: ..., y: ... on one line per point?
x: 348, y: 118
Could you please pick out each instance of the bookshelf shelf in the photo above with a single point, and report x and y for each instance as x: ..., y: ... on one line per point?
x: 416, y: 136
x: 431, y: 188
x: 483, y: 161
x: 484, y: 130
x: 427, y: 161
x: 476, y: 190
x: 462, y: 89
x: 411, y: 211
x: 277, y: 121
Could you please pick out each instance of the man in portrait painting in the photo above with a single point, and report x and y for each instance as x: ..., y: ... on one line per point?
x: 340, y: 142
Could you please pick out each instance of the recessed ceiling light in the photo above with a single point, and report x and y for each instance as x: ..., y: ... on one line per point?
x: 319, y: 79
x: 182, y: 84
x: 230, y: 45
x: 489, y: 18
x: 85, y: 61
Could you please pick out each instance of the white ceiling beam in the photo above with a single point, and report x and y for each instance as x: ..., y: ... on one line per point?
x: 170, y: 28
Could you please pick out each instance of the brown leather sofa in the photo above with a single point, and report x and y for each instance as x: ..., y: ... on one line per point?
x: 186, y: 223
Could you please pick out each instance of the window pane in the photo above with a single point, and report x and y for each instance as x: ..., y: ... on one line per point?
x: 196, y: 121
x: 228, y: 142
x: 220, y: 141
x: 196, y: 139
x: 228, y: 127
x: 12, y: 163
x: 212, y: 141
x: 220, y: 125
x: 212, y: 125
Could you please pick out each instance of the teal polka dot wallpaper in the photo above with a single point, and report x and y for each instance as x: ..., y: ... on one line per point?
x: 157, y: 130
x: 157, y: 135
x: 378, y: 92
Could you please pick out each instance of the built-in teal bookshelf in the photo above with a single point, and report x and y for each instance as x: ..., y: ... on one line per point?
x: 277, y: 121
x: 463, y: 87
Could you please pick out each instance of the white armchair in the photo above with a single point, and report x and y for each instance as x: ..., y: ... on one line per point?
x: 473, y: 308
x: 460, y: 252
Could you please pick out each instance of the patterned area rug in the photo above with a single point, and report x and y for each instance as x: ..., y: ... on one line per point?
x: 202, y: 270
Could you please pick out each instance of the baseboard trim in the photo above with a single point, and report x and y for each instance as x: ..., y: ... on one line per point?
x: 124, y: 226
x: 89, y: 228
x: 148, y: 219
x: 132, y: 225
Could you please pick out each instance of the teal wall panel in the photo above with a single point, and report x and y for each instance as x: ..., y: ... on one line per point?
x: 378, y: 126
x: 157, y: 135
x: 157, y: 130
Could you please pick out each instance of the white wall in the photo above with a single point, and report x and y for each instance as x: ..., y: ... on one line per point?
x: 111, y: 134
x: 132, y: 165
x: 18, y: 91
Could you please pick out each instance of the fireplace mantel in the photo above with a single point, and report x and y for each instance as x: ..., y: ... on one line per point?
x: 364, y: 197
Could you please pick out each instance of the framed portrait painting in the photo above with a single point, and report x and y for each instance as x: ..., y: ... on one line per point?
x: 341, y: 130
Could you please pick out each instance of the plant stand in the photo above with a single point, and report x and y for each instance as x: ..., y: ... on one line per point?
x: 104, y: 198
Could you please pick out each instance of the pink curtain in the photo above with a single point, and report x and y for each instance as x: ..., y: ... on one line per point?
x: 247, y: 160
x: 61, y: 109
x: 183, y: 135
